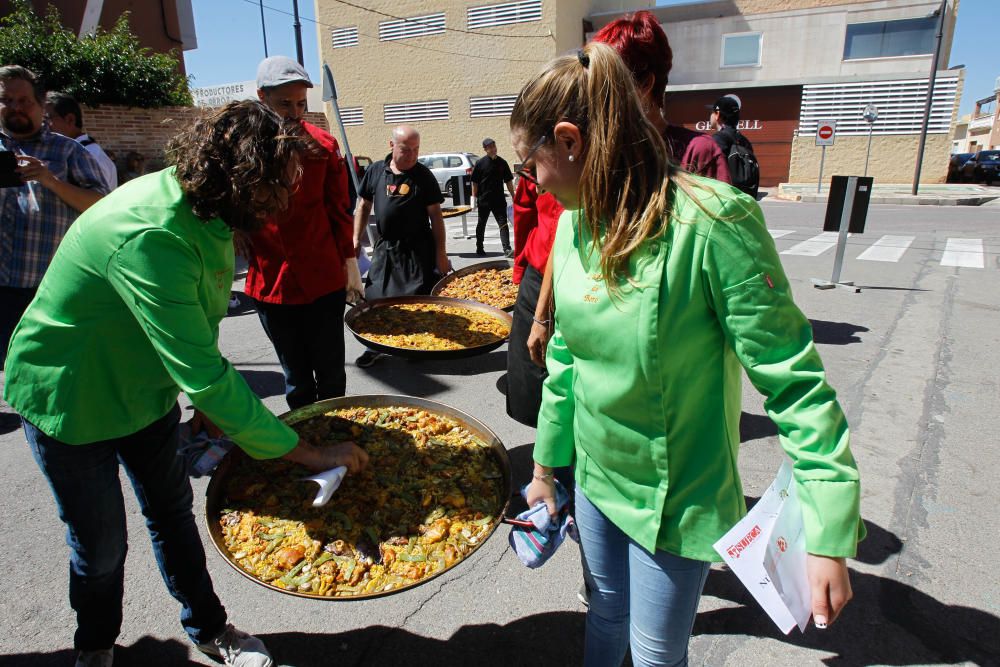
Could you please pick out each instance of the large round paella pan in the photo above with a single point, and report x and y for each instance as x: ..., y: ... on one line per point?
x: 488, y: 282
x: 469, y: 328
x: 436, y: 487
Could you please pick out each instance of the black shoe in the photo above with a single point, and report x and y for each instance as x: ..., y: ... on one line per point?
x: 368, y: 359
x: 480, y: 252
x: 509, y: 253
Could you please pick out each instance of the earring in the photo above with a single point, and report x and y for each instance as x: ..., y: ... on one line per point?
x: 571, y: 158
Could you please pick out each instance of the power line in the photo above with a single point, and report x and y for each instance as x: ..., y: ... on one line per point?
x: 411, y: 46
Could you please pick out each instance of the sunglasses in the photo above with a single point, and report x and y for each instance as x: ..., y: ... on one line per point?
x: 525, y: 172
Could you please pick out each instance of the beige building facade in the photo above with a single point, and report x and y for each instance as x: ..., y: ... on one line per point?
x: 453, y: 69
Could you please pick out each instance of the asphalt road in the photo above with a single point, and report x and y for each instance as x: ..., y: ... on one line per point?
x: 913, y: 357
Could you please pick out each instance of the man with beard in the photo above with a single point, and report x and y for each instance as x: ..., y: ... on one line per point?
x: 125, y: 319
x: 61, y: 180
x: 302, y: 261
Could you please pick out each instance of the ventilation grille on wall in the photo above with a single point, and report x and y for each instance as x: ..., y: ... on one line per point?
x: 500, y: 105
x: 900, y: 106
x: 415, y: 26
x: 506, y: 13
x: 411, y: 112
x: 352, y: 115
x: 344, y: 37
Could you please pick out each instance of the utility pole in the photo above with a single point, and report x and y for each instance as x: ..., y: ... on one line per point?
x: 298, y: 33
x: 263, y: 28
x: 930, y: 95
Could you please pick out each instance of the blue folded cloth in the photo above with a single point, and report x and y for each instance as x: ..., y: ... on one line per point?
x: 534, y: 546
x: 201, y: 453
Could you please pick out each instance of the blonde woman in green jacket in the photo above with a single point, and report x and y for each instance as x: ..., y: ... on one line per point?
x: 667, y: 287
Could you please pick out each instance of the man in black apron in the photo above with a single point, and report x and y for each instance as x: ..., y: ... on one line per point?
x: 410, y: 255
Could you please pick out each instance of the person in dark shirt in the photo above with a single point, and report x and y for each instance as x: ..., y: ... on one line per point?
x: 410, y: 255
x: 489, y: 177
x: 725, y: 117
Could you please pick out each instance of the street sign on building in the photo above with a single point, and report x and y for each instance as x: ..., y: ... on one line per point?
x: 223, y: 94
x: 826, y: 131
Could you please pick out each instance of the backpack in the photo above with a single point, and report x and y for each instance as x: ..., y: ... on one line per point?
x: 743, y: 168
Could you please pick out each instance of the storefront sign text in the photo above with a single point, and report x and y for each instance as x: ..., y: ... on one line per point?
x: 705, y: 126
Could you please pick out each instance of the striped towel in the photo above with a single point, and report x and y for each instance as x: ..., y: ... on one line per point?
x: 534, y: 546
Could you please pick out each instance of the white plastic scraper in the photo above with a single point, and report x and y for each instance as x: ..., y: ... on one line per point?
x: 329, y: 482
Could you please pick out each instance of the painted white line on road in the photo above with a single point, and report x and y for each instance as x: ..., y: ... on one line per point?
x: 887, y: 249
x: 817, y: 245
x: 778, y: 233
x: 964, y: 252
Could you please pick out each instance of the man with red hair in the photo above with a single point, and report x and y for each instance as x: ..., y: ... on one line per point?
x: 642, y: 44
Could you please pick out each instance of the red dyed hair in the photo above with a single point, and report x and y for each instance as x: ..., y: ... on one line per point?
x: 642, y: 44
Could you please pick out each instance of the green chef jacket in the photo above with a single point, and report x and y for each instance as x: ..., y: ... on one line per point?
x: 126, y: 317
x: 644, y: 390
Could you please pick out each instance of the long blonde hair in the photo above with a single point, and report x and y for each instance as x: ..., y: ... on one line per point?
x: 626, y: 177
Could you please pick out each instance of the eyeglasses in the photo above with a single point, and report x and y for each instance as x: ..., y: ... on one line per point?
x: 523, y: 172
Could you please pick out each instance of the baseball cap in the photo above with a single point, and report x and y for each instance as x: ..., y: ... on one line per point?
x: 487, y: 142
x: 279, y: 70
x: 726, y: 105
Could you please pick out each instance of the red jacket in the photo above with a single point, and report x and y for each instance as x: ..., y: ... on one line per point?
x: 535, y: 219
x: 298, y: 256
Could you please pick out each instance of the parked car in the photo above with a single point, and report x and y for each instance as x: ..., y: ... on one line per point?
x: 446, y: 165
x: 955, y: 165
x: 983, y: 166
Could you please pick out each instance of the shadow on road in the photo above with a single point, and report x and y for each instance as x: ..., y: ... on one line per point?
x: 755, y: 427
x: 836, y: 333
x: 264, y: 383
x: 147, y: 651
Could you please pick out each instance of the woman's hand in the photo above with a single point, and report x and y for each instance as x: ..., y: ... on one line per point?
x: 830, y: 585
x: 324, y: 458
x: 542, y: 490
x: 538, y: 340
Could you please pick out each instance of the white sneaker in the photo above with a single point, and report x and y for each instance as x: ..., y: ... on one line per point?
x: 103, y: 658
x: 237, y: 649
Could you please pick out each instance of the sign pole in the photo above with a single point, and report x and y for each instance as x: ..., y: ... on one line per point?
x: 330, y: 95
x: 822, y: 159
x: 845, y: 223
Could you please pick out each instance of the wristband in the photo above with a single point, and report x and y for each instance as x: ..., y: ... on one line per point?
x: 542, y: 478
x: 544, y: 323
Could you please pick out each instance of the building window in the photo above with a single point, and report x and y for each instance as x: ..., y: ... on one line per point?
x: 412, y: 112
x: 482, y: 107
x: 890, y: 39
x: 342, y: 37
x: 741, y: 49
x: 506, y: 13
x: 415, y: 26
x: 352, y: 115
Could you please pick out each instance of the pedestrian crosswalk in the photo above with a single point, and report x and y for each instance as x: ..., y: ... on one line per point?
x: 958, y: 252
x: 888, y: 248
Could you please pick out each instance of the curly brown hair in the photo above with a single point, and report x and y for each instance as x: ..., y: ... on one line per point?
x: 239, y: 163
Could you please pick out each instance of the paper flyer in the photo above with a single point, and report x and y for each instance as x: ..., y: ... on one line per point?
x: 766, y: 550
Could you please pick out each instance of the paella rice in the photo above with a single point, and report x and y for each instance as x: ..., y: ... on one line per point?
x: 430, y: 326
x: 432, y: 491
x: 494, y: 287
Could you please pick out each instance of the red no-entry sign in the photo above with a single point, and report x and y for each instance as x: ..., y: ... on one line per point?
x: 826, y: 130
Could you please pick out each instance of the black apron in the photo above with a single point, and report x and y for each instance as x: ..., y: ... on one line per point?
x: 403, y: 267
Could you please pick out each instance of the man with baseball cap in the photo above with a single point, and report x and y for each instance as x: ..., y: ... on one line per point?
x: 302, y: 265
x: 743, y: 169
x: 489, y: 177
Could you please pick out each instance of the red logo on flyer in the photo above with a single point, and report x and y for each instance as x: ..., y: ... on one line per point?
x: 782, y: 544
x: 736, y: 549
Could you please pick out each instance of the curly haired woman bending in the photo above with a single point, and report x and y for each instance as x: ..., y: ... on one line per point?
x: 667, y: 287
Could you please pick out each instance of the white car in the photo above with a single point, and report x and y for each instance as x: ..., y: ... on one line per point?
x: 446, y: 165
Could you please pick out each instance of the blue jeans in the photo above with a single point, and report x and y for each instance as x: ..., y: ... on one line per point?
x: 645, y: 600
x: 84, y: 480
x: 309, y: 341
